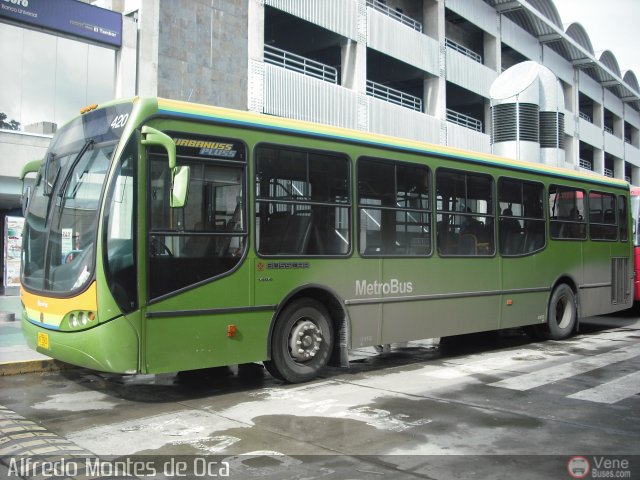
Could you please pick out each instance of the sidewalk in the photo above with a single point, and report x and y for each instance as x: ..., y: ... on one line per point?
x: 15, y: 356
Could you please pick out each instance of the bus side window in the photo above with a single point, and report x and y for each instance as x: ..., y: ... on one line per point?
x: 464, y: 213
x: 567, y: 213
x: 302, y: 202
x: 521, y: 227
x: 394, y: 208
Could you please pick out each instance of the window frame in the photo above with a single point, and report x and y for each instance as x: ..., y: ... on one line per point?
x: 256, y: 200
x: 615, y: 225
x: 584, y: 222
x: 428, y: 211
x: 491, y: 213
x: 543, y: 219
x: 149, y: 231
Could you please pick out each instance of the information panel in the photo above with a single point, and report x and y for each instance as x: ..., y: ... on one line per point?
x: 68, y: 16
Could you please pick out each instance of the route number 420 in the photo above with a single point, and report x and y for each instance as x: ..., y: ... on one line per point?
x: 119, y: 121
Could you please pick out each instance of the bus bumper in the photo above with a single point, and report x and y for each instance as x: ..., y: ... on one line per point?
x: 108, y: 347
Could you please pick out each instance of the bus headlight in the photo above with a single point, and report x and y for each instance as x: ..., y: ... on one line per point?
x: 81, y: 319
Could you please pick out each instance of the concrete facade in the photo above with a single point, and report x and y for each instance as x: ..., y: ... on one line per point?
x: 440, y: 54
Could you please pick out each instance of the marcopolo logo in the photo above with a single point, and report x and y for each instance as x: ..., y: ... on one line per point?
x: 392, y: 287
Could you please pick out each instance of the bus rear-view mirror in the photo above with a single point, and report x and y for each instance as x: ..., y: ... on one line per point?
x: 179, y: 175
x: 179, y: 187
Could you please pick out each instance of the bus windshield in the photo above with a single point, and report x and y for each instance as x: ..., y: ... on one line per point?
x: 62, y: 220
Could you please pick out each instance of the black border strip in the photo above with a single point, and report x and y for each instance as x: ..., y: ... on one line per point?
x: 210, y: 311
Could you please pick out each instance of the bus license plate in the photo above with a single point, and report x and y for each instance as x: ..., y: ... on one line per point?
x: 43, y: 340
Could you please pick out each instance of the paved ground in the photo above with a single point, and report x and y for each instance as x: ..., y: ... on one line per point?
x: 481, y: 407
x: 15, y: 356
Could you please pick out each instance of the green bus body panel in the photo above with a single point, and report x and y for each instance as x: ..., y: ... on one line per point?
x: 188, y: 329
x: 109, y: 347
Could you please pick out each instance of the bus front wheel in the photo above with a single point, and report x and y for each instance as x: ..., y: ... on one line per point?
x: 301, y: 342
x: 562, y: 314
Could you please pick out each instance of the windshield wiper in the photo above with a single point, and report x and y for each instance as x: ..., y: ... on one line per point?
x: 48, y: 187
x: 89, y: 143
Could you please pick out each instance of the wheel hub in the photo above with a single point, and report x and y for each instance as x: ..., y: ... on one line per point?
x: 305, y: 340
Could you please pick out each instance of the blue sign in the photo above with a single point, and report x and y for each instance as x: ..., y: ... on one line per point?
x: 68, y: 16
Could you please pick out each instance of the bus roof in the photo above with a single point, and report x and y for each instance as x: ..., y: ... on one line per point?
x: 286, y: 125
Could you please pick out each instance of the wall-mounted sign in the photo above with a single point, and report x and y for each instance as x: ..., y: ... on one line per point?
x: 67, y: 16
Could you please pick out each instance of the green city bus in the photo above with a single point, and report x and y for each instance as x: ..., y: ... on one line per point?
x: 165, y: 236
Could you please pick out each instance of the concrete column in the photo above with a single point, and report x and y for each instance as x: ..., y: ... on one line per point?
x: 126, y: 60
x: 435, y: 88
x: 354, y: 66
x: 255, y: 27
x: 149, y: 33
x: 618, y: 168
x: 598, y: 161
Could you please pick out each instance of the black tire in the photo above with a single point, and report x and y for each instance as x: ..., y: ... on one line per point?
x: 562, y: 315
x: 308, y: 322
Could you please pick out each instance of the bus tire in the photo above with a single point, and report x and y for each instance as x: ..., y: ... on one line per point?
x: 562, y: 314
x: 301, y: 342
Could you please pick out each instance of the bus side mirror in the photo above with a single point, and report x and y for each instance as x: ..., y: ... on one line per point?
x: 179, y: 175
x: 31, y: 167
x: 179, y: 187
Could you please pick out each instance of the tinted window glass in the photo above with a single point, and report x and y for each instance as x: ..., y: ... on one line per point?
x: 521, y: 225
x: 602, y: 216
x: 303, y: 202
x: 207, y: 237
x: 567, y: 213
x: 465, y: 214
x: 394, y: 216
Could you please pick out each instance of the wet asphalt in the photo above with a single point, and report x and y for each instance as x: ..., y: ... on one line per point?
x: 478, y: 406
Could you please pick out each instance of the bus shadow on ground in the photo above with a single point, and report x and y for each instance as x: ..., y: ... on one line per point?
x: 211, y: 382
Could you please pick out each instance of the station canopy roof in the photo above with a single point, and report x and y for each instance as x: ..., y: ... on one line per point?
x: 541, y: 19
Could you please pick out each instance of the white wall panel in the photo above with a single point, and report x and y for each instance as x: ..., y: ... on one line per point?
x: 468, y: 73
x: 590, y: 134
x: 461, y: 137
x: 613, y: 103
x: 589, y: 87
x: 557, y: 64
x: 519, y: 39
x: 391, y: 37
x: 613, y: 145
x: 340, y: 16
x: 632, y: 154
x: 477, y: 12
x: 389, y: 119
x: 294, y: 95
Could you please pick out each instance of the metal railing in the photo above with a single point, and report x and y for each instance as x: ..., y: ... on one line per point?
x: 463, y: 50
x: 627, y: 140
x: 392, y: 95
x: 586, y: 117
x: 608, y: 172
x: 464, y: 120
x: 628, y: 179
x: 608, y: 130
x: 300, y: 64
x: 586, y: 164
x: 395, y: 14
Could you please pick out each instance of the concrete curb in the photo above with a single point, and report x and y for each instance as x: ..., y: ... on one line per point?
x: 31, y: 366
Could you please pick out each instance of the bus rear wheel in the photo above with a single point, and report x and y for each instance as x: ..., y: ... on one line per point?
x: 301, y: 342
x: 562, y: 314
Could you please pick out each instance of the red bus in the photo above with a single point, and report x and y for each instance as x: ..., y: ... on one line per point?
x: 635, y: 212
